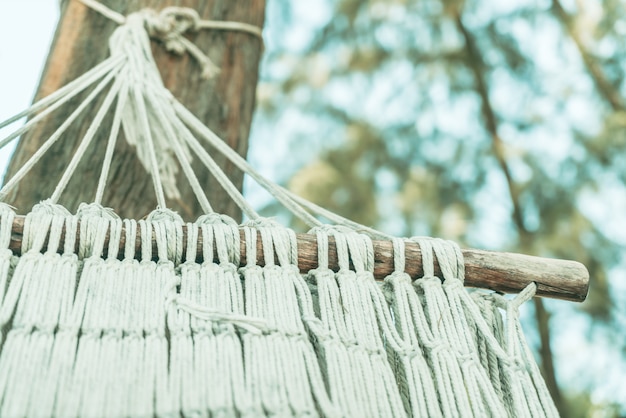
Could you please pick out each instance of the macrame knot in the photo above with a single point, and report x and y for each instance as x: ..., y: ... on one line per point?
x: 169, y: 25
x: 48, y: 207
x: 397, y: 278
x: 216, y: 218
x: 171, y: 21
x: 95, y: 210
x: 436, y: 346
x: 164, y: 215
x: 38, y: 226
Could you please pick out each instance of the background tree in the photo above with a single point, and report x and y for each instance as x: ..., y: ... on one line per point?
x: 500, y: 125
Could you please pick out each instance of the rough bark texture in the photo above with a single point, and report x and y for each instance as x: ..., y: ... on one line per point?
x: 224, y: 103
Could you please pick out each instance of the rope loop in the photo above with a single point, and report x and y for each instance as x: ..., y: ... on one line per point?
x: 220, y: 233
x: 321, y: 233
x: 426, y: 249
x: 130, y: 238
x: 398, y: 278
x: 95, y: 222
x: 37, y: 224
x: 399, y: 257
x: 7, y: 214
x: 447, y: 254
x: 168, y: 229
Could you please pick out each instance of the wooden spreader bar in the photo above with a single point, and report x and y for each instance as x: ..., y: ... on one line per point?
x: 499, y: 271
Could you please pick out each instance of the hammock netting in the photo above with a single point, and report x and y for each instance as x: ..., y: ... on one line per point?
x: 94, y: 326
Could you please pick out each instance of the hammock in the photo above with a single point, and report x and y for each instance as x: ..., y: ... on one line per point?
x: 104, y: 317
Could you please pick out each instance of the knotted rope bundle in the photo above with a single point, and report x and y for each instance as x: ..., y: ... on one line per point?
x: 96, y: 336
x: 93, y: 330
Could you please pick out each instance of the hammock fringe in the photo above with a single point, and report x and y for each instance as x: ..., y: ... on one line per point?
x: 93, y: 335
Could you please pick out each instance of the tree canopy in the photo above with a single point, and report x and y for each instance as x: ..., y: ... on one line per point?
x: 501, y: 125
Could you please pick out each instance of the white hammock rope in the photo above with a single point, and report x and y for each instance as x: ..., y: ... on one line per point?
x: 55, y: 136
x: 136, y: 335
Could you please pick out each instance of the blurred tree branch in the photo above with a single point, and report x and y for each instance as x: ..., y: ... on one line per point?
x: 443, y: 121
x: 479, y: 69
x: 609, y: 92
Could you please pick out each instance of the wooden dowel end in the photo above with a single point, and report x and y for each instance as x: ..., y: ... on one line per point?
x: 498, y: 271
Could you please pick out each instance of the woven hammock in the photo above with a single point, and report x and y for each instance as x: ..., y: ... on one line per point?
x: 104, y: 317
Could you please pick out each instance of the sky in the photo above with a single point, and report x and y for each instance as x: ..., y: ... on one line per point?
x: 26, y: 31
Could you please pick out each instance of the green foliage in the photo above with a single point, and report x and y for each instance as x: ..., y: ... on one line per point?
x: 423, y: 108
x: 582, y: 406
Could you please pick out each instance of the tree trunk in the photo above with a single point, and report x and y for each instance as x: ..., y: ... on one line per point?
x: 224, y: 103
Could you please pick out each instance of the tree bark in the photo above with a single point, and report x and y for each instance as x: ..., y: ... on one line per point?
x: 224, y: 103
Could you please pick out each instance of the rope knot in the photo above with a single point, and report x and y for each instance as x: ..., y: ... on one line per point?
x: 169, y: 25
x: 177, y: 20
x: 398, y: 278
x: 164, y: 215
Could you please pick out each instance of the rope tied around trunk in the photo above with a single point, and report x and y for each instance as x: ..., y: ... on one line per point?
x: 169, y: 26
